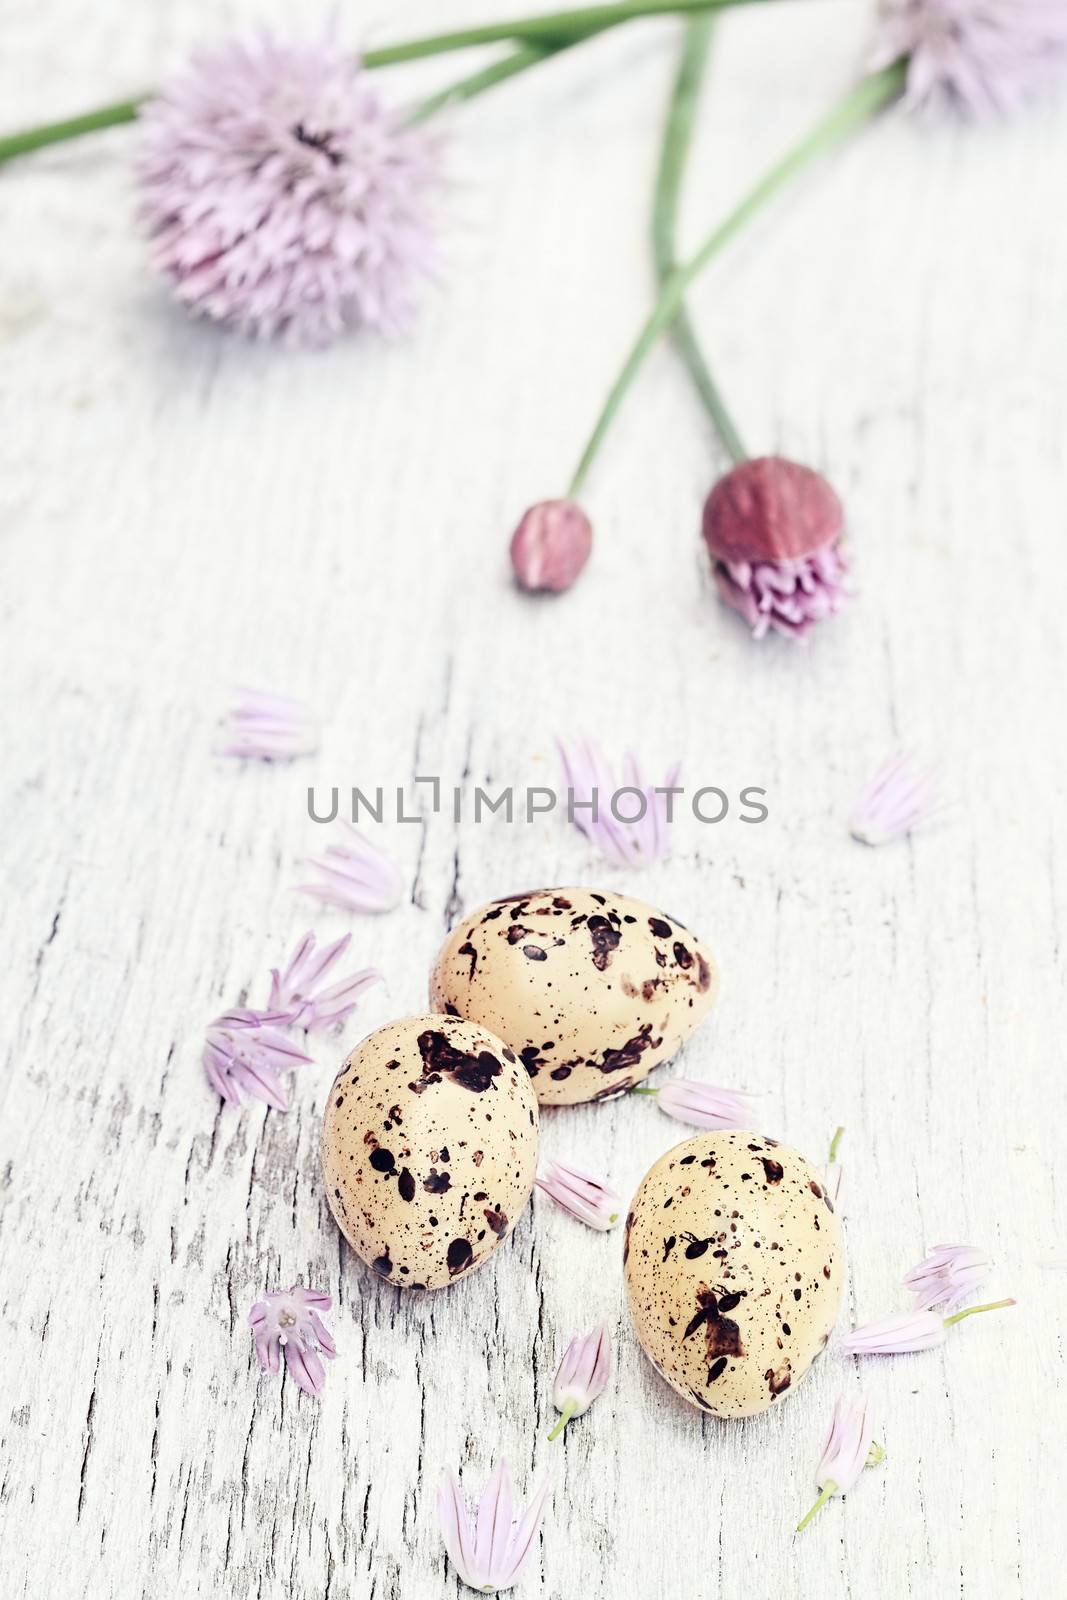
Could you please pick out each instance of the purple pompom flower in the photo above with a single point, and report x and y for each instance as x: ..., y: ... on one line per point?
x: 297, y: 990
x: 356, y: 875
x: 582, y: 1193
x: 947, y: 1277
x: 270, y: 727
x: 581, y: 1376
x: 897, y: 799
x: 702, y: 1105
x: 773, y: 531
x: 289, y: 1322
x: 244, y: 1052
x: 281, y: 196
x: 978, y: 56
x: 594, y: 798
x: 848, y: 1449
x: 493, y: 1550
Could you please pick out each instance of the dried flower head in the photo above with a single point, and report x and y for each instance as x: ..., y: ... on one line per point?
x: 773, y: 531
x: 289, y: 1322
x: 244, y: 1051
x: 356, y: 875
x: 947, y: 1277
x: 627, y: 821
x: 582, y: 1193
x: 848, y: 1449
x: 281, y: 196
x: 897, y: 799
x: 270, y: 727
x: 297, y: 990
x: 581, y: 1376
x: 702, y: 1105
x: 492, y: 1550
x: 978, y: 56
x: 551, y: 545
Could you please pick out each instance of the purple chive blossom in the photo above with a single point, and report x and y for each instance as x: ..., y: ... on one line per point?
x: 270, y: 727
x: 947, y: 1277
x: 592, y: 794
x: 491, y: 1550
x: 976, y: 56
x: 280, y: 195
x: 297, y: 991
x: 702, y: 1105
x: 915, y: 1330
x: 289, y: 1321
x: 244, y: 1052
x: 356, y: 875
x: 773, y: 531
x: 581, y: 1193
x: 848, y: 1449
x: 897, y: 799
x: 581, y: 1376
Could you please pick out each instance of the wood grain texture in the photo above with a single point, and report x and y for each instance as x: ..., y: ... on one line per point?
x: 179, y: 512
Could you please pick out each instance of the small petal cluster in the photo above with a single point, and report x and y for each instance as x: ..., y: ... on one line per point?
x: 244, y: 1051
x: 773, y: 532
x: 550, y: 546
x: 289, y: 1322
x: 703, y: 1105
x: 947, y: 1277
x: 897, y: 799
x: 356, y: 876
x: 597, y: 802
x: 297, y: 991
x: 581, y: 1193
x: 281, y: 197
x: 980, y: 57
x: 492, y: 1550
x: 581, y: 1376
x: 848, y: 1449
x: 270, y: 727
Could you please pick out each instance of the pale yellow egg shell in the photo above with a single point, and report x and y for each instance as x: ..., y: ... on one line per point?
x: 591, y: 989
x: 429, y: 1148
x: 734, y: 1265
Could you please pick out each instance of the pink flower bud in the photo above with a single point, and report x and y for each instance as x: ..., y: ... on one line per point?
x: 551, y: 545
x: 772, y: 529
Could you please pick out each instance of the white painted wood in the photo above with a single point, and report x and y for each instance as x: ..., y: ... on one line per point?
x: 180, y: 512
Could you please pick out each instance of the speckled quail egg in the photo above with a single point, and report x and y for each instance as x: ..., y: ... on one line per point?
x: 734, y: 1263
x: 592, y: 989
x: 429, y: 1148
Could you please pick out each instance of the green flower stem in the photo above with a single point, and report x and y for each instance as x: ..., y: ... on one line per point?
x: 972, y: 1311
x: 644, y: 1091
x: 568, y: 1412
x: 834, y: 1142
x: 547, y: 33
x: 829, y: 1489
x: 861, y: 103
x: 677, y: 138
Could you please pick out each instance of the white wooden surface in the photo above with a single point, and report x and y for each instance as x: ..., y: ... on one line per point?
x: 179, y: 512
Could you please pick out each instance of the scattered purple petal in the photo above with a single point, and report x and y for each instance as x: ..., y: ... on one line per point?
x: 581, y: 1193
x: 281, y: 196
x: 356, y: 876
x: 289, y: 1322
x: 297, y: 991
x: 270, y: 727
x: 491, y: 1550
x: 244, y: 1052
x: 947, y: 1277
x: 593, y: 785
x: 898, y: 798
x: 915, y: 1330
x: 581, y: 1376
x: 980, y: 57
x: 848, y: 1449
x: 703, y: 1105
